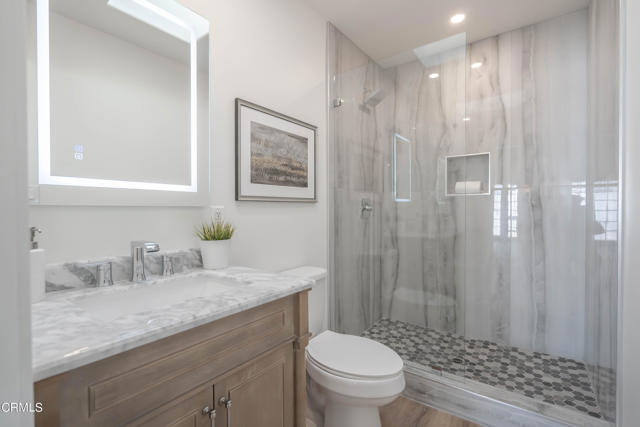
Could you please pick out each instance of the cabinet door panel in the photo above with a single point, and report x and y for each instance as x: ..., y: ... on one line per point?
x: 261, y: 392
x: 183, y: 412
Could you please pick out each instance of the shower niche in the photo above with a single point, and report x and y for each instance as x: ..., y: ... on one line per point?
x: 468, y: 175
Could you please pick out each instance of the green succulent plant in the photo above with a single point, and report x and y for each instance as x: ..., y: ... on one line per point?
x: 215, y: 230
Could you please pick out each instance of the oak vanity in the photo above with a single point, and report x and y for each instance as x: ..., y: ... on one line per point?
x: 229, y: 358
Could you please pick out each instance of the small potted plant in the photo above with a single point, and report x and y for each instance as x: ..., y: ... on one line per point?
x: 215, y: 239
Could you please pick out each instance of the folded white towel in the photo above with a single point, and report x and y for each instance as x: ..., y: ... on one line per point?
x: 468, y: 187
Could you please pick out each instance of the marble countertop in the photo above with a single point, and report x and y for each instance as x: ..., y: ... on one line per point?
x: 65, y: 336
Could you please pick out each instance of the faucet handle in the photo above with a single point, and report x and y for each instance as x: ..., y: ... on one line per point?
x: 151, y: 247
x: 167, y: 266
x: 104, y: 276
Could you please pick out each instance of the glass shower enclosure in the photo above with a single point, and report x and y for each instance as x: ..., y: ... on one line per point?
x: 474, y: 209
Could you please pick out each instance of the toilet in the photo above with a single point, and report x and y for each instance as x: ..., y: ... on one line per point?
x: 348, y: 377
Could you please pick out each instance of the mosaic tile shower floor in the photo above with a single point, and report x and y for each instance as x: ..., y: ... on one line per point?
x: 554, y: 380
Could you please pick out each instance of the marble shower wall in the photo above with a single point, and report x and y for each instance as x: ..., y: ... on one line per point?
x: 425, y: 254
x: 525, y: 244
x: 508, y: 267
x: 602, y: 204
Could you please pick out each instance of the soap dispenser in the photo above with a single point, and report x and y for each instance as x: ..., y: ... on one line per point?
x: 36, y: 265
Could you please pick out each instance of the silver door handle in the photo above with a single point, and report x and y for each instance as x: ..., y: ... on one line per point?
x: 227, y: 404
x: 212, y: 415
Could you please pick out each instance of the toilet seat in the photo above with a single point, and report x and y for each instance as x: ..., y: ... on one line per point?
x: 354, y: 366
x: 354, y: 357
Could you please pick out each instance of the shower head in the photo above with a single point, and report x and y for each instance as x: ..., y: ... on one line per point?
x: 374, y: 98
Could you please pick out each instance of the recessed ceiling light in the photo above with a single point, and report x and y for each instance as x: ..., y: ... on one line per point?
x: 457, y: 18
x: 476, y: 65
x: 466, y: 119
x: 434, y: 75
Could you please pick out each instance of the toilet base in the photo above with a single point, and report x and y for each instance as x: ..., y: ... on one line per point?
x: 331, y: 409
x: 337, y: 415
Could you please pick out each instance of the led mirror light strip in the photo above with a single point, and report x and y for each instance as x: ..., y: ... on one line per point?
x: 44, y: 113
x: 154, y: 16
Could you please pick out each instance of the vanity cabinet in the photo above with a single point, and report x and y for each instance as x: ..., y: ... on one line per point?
x: 253, y: 359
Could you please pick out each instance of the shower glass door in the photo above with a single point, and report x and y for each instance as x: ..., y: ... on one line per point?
x: 425, y: 210
x: 531, y: 242
x: 474, y: 208
x: 399, y: 204
x: 359, y: 115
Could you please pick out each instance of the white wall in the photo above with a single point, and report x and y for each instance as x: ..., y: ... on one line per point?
x: 15, y: 354
x: 629, y: 355
x: 271, y: 53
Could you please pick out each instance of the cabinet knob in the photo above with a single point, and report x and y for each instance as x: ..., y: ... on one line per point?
x: 225, y: 402
x: 211, y: 413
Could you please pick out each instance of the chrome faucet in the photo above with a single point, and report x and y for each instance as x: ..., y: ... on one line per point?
x: 138, y: 249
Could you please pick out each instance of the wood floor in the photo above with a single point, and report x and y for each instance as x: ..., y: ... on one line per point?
x: 407, y: 413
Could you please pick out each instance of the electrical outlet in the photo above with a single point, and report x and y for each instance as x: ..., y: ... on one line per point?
x: 34, y: 193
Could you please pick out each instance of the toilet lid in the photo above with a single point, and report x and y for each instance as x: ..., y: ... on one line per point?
x: 353, y: 356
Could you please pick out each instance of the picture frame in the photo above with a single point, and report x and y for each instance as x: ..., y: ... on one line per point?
x: 275, y: 156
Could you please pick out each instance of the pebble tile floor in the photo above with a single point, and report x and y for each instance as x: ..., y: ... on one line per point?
x: 554, y: 380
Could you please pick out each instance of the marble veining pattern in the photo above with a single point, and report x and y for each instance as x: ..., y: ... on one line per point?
x: 358, y: 158
x: 602, y: 204
x: 82, y: 274
x: 508, y: 267
x: 427, y: 280
x: 65, y: 336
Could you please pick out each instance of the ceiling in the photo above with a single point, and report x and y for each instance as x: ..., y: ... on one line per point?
x: 387, y: 28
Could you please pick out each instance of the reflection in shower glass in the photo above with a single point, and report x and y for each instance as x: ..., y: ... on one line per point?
x: 401, y: 168
x: 510, y: 224
x: 605, y: 200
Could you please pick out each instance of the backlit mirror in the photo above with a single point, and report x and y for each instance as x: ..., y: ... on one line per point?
x: 122, y: 102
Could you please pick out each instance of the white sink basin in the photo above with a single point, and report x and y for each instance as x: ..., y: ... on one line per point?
x: 131, y: 299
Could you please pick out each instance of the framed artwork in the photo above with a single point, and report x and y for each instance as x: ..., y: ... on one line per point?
x: 275, y: 156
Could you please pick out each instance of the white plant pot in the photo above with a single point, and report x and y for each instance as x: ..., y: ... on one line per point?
x: 215, y: 253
